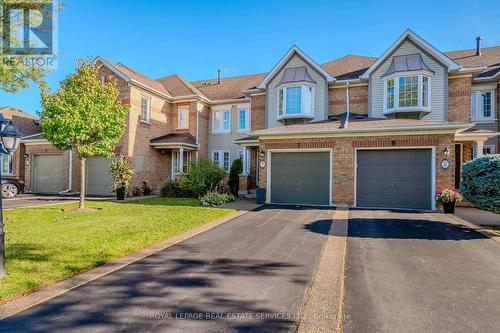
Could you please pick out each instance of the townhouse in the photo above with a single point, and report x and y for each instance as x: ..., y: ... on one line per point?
x: 356, y: 131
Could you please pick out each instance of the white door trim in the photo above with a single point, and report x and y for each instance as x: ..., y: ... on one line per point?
x: 297, y: 150
x: 433, y: 169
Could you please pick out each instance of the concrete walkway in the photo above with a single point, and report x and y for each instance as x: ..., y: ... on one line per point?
x: 478, y: 216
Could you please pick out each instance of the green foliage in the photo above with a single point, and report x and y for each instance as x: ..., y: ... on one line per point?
x: 203, y: 176
x: 234, y: 173
x: 481, y: 182
x: 214, y: 198
x: 172, y: 189
x: 121, y: 172
x: 146, y: 190
x: 85, y: 114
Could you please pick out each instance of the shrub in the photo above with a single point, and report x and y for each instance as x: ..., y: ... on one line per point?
x: 481, y: 182
x: 146, y: 190
x: 202, y: 177
x: 234, y: 176
x: 120, y: 172
x: 171, y: 189
x: 214, y: 198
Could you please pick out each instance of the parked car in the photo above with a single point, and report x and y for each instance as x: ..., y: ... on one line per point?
x: 11, y: 187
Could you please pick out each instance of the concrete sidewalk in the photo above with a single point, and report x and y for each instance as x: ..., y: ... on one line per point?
x: 478, y: 216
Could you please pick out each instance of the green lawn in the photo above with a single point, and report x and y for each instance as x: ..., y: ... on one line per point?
x: 44, y: 244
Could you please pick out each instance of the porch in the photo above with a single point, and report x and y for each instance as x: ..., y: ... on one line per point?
x: 248, y: 179
x: 182, y: 149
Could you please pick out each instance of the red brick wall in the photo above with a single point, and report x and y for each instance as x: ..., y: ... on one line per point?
x: 358, y: 100
x: 344, y: 150
x: 258, y: 112
x: 459, y: 95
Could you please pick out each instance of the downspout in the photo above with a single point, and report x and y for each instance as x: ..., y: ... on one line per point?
x: 197, y: 131
x: 347, y: 104
x: 70, y: 174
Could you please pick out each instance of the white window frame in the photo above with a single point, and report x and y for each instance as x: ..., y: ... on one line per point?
x: 180, y: 110
x: 221, y: 121
x: 145, y: 118
x: 474, y: 150
x: 10, y: 160
x: 419, y: 105
x: 477, y: 112
x: 283, y: 114
x: 246, y: 129
x: 220, y: 160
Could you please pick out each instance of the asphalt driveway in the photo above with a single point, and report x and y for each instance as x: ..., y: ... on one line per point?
x: 411, y: 272
x: 249, y: 274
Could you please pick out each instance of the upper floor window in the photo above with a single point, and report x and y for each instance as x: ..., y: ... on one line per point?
x: 145, y: 109
x: 407, y: 92
x: 183, y: 117
x: 483, y: 105
x: 295, y: 101
x: 221, y: 122
x: 243, y: 120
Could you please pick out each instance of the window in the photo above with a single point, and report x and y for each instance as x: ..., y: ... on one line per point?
x: 243, y: 120
x: 221, y: 122
x: 483, y: 105
x: 221, y: 158
x: 490, y: 149
x: 295, y: 100
x: 176, y: 161
x: 407, y: 92
x: 6, y: 164
x: 183, y: 117
x: 145, y: 109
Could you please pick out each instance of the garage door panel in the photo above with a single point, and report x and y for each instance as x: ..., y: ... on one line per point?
x: 394, y: 178
x: 99, y: 181
x: 48, y: 176
x: 300, y: 177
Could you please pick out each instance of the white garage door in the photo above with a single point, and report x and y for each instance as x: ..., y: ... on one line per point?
x: 99, y: 181
x: 48, y: 176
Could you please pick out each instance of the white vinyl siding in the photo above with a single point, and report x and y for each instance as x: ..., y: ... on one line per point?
x: 145, y: 109
x: 438, y: 95
x: 183, y: 117
x: 319, y: 99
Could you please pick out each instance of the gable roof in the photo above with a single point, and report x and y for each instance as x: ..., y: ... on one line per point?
x: 131, y: 75
x: 178, y: 86
x: 408, y: 34
x: 349, y: 66
x: 26, y: 123
x: 293, y: 51
x: 229, y: 87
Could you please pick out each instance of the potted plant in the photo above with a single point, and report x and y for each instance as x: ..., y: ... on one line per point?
x: 449, y: 198
x: 122, y: 175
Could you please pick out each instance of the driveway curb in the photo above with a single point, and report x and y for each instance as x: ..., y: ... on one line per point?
x: 46, y: 293
x: 322, y: 311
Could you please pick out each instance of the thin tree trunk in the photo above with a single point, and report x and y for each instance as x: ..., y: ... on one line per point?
x: 82, y: 182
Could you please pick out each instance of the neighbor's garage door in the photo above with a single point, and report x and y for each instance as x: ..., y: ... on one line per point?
x: 48, y: 176
x: 394, y: 178
x: 300, y: 178
x: 99, y: 181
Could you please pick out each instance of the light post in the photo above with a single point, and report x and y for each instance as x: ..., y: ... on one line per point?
x: 10, y: 138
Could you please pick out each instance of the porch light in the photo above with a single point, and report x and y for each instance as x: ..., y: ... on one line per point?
x: 262, y: 154
x: 10, y: 138
x: 446, y: 151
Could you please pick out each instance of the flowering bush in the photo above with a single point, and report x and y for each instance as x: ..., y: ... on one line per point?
x: 448, y: 195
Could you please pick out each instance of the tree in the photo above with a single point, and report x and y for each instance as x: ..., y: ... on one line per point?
x: 234, y: 176
x: 84, y: 116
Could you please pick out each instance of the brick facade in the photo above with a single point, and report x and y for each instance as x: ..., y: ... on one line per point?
x: 459, y: 99
x: 358, y: 100
x: 344, y: 150
x: 258, y: 110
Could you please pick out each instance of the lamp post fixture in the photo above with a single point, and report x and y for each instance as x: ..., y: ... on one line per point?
x: 10, y: 139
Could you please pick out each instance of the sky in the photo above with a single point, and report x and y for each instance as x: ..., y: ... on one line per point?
x: 195, y: 38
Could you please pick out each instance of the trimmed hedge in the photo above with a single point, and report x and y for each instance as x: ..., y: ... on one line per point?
x: 481, y: 182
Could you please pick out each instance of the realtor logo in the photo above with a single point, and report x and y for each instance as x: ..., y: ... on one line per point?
x: 28, y: 33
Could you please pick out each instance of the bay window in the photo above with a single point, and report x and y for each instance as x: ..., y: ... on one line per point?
x: 407, y: 92
x: 295, y: 101
x: 483, y: 105
x: 221, y: 121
